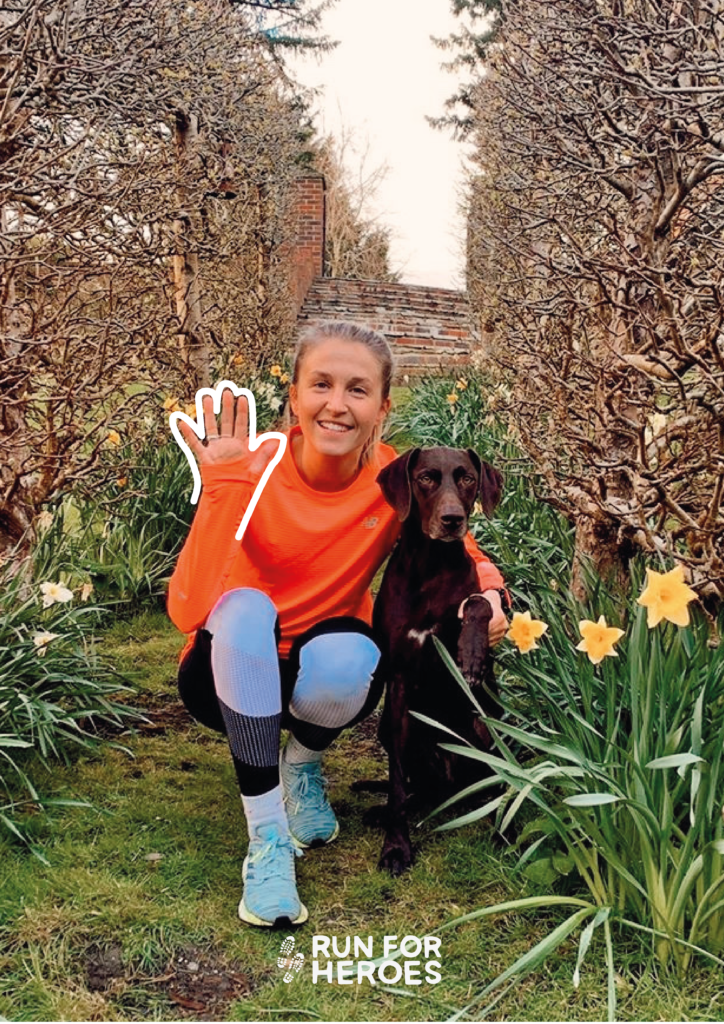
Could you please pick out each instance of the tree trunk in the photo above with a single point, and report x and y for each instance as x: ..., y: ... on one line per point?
x: 599, y: 551
x: 192, y: 339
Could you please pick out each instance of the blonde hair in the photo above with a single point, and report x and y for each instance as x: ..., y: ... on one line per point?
x: 346, y: 330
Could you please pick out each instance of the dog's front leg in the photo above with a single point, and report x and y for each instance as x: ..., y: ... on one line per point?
x: 397, y: 850
x: 473, y: 643
x: 476, y: 664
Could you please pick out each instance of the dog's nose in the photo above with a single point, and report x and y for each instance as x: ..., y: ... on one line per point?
x: 453, y: 522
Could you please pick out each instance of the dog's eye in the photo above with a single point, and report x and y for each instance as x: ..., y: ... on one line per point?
x: 424, y: 478
x: 469, y: 479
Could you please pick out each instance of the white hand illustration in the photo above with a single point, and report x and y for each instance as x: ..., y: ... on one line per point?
x: 236, y: 438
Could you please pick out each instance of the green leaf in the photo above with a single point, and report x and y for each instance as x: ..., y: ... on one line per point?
x: 591, y: 799
x: 61, y: 802
x: 472, y: 816
x: 586, y: 936
x: 530, y: 960
x: 611, y: 974
x: 674, y: 760
x: 548, y: 868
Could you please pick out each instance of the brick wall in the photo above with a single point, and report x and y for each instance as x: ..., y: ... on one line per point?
x: 429, y: 329
x: 308, y: 262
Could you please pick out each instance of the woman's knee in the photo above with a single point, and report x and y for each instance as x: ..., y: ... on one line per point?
x: 244, y: 656
x: 335, y: 673
x: 245, y: 618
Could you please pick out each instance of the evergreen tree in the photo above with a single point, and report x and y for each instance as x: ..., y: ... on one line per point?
x: 481, y: 21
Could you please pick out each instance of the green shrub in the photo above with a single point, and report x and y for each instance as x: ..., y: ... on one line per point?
x: 124, y: 535
x: 458, y: 412
x: 124, y: 540
x: 55, y: 688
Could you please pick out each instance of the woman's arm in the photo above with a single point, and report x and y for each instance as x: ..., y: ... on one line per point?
x: 211, y: 547
x: 229, y: 474
x: 489, y: 576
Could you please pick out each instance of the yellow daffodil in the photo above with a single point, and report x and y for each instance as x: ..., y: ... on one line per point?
x: 85, y: 591
x: 238, y: 360
x: 276, y: 370
x: 452, y: 398
x: 190, y: 409
x: 122, y: 481
x: 461, y: 384
x: 41, y: 641
x: 284, y: 379
x: 666, y: 597
x: 171, y: 404
x: 55, y: 592
x: 598, y: 639
x: 114, y: 437
x: 524, y: 631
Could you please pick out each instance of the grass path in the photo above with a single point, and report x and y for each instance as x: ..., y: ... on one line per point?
x: 135, y: 919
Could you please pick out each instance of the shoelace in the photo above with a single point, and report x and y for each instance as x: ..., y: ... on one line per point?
x: 267, y: 871
x: 311, y: 786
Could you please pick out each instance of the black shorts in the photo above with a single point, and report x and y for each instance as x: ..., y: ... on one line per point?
x: 196, y: 679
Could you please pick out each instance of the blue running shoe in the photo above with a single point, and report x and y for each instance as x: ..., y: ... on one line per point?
x: 312, y: 821
x: 270, y: 890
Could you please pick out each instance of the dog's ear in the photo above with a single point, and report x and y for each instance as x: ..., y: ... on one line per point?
x: 394, y: 481
x: 491, y: 483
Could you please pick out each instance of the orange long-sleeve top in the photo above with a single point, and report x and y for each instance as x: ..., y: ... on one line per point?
x: 314, y: 553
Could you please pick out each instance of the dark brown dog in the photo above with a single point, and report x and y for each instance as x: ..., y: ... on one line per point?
x: 428, y: 576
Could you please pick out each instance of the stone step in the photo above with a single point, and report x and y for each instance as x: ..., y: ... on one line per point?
x: 404, y: 313
x: 374, y: 295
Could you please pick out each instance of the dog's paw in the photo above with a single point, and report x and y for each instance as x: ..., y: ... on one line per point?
x: 396, y: 858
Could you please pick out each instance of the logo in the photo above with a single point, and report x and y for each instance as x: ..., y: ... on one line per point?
x: 286, y: 962
x: 370, y: 522
x: 350, y: 960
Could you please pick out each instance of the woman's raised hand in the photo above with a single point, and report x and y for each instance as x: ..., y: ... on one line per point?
x: 230, y: 441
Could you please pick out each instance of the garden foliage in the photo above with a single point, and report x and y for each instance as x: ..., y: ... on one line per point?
x: 595, y: 238
x: 56, y: 689
x: 606, y: 778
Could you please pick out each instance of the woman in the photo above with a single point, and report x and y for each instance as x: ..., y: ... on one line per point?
x: 282, y: 618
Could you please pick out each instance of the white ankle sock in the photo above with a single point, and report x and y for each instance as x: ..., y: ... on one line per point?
x: 264, y: 808
x: 296, y: 753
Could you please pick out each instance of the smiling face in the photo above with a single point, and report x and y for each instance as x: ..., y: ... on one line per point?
x: 337, y: 397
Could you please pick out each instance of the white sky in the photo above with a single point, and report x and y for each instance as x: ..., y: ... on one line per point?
x: 380, y: 82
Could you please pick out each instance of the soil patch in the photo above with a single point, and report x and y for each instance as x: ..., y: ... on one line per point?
x: 103, y: 967
x: 163, y: 714
x: 198, y: 983
x: 160, y: 714
x: 365, y: 735
x: 202, y: 985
